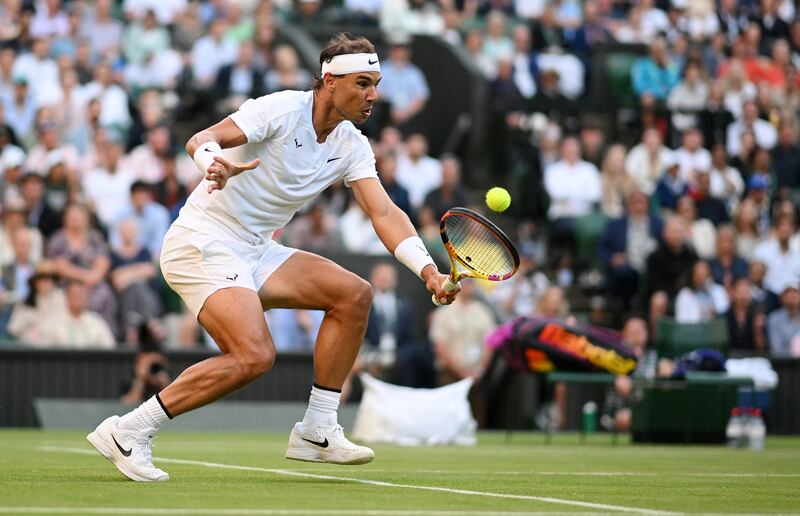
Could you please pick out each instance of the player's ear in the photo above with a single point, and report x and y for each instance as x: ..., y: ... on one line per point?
x: 329, y: 82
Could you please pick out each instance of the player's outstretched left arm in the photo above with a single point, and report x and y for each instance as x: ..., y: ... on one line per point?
x: 206, y: 149
x: 397, y: 233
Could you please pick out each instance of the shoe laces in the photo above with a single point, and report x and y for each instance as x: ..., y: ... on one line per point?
x: 146, y: 442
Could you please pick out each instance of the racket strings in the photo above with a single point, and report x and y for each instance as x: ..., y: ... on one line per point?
x: 477, y: 246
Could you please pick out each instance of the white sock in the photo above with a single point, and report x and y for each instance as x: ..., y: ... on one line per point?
x: 148, y: 416
x: 322, y: 406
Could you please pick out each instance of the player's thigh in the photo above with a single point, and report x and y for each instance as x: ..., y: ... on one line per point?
x: 235, y: 320
x: 309, y: 281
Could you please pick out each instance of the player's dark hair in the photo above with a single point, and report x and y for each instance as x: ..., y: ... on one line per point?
x: 341, y: 44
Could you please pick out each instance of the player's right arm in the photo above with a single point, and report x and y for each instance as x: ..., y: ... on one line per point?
x: 206, y: 149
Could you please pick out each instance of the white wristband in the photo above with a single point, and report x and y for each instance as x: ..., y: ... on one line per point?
x: 412, y: 253
x: 204, y: 155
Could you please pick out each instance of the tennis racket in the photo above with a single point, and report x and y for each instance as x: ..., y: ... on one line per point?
x: 477, y: 249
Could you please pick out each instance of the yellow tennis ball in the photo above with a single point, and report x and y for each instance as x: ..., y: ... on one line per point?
x: 498, y: 199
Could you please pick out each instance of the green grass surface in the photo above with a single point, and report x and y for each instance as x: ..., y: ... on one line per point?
x: 42, y: 469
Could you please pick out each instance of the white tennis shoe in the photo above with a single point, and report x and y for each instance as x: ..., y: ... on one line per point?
x: 325, y: 444
x: 130, y: 451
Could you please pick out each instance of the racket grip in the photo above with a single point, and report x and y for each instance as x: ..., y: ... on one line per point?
x: 448, y: 286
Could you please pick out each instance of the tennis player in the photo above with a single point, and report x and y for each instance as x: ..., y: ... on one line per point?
x: 220, y: 257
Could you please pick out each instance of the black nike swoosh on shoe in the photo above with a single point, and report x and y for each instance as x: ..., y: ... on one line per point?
x: 122, y: 450
x: 323, y: 444
x: 334, y: 159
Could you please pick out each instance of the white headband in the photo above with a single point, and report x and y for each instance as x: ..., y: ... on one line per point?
x: 351, y: 63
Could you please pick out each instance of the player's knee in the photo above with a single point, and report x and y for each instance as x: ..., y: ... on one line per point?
x: 361, y: 298
x: 255, y: 363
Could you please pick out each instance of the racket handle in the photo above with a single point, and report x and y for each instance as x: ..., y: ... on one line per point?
x: 447, y: 286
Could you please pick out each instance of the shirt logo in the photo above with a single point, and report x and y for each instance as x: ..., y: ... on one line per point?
x: 232, y: 277
x: 334, y: 159
x: 297, y: 143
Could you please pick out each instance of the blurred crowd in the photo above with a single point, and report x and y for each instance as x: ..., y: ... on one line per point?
x: 693, y: 211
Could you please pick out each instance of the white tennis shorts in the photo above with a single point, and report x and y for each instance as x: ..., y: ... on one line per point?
x: 196, y: 265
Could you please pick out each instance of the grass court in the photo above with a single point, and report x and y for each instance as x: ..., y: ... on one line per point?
x: 47, y: 472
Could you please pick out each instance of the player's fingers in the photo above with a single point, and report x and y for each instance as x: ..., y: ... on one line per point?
x: 222, y: 160
x: 249, y: 166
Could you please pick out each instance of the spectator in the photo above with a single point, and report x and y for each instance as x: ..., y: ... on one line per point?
x: 570, y: 70
x: 519, y: 296
x: 211, y: 52
x: 701, y: 233
x: 403, y: 85
x: 146, y: 159
x: 708, y: 206
x: 150, y: 368
x: 786, y: 157
x: 701, y: 299
x: 388, y: 175
x: 761, y: 297
x: 286, y: 73
x: 308, y: 13
x: 80, y: 253
x: 431, y: 235
x: 107, y: 188
x: 688, y: 98
x: 103, y: 32
x: 745, y: 324
x: 166, y: 11
x: 451, y: 192
x: 572, y: 184
x: 765, y: 134
x: 78, y: 328
x: 40, y: 214
x: 524, y: 62
x: 45, y: 300
x: 11, y: 160
x: 132, y: 275
x: 458, y: 332
x: 691, y: 156
x: 355, y: 230
x: 746, y: 224
x: 417, y: 172
x: 758, y: 186
x: 783, y: 325
x: 49, y: 21
x: 781, y: 259
x: 294, y: 329
x: 12, y: 219
x: 40, y: 71
x: 153, y: 219
x: 496, y: 45
x: 20, y: 108
x: 727, y: 266
x: 188, y: 29
x: 726, y: 182
x: 616, y: 183
x: 473, y: 44
x: 144, y: 38
x: 15, y: 277
x: 170, y: 191
x: 315, y: 231
x: 547, y: 31
x: 50, y: 148
x: 240, y: 80
x: 654, y: 76
x: 671, y: 261
x: 625, y: 246
x: 389, y: 338
x: 647, y: 161
x: 632, y: 30
x: 616, y: 408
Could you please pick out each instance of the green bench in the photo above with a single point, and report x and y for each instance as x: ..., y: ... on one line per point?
x: 576, y: 378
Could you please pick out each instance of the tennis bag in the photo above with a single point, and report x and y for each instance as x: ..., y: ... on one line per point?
x: 543, y: 346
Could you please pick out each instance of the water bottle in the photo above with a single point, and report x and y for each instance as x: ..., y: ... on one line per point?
x: 756, y: 430
x: 735, y: 429
x: 589, y: 420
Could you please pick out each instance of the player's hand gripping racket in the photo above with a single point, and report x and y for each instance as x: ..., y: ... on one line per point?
x: 477, y: 249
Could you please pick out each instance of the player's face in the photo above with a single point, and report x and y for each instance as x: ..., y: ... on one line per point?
x: 354, y: 95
